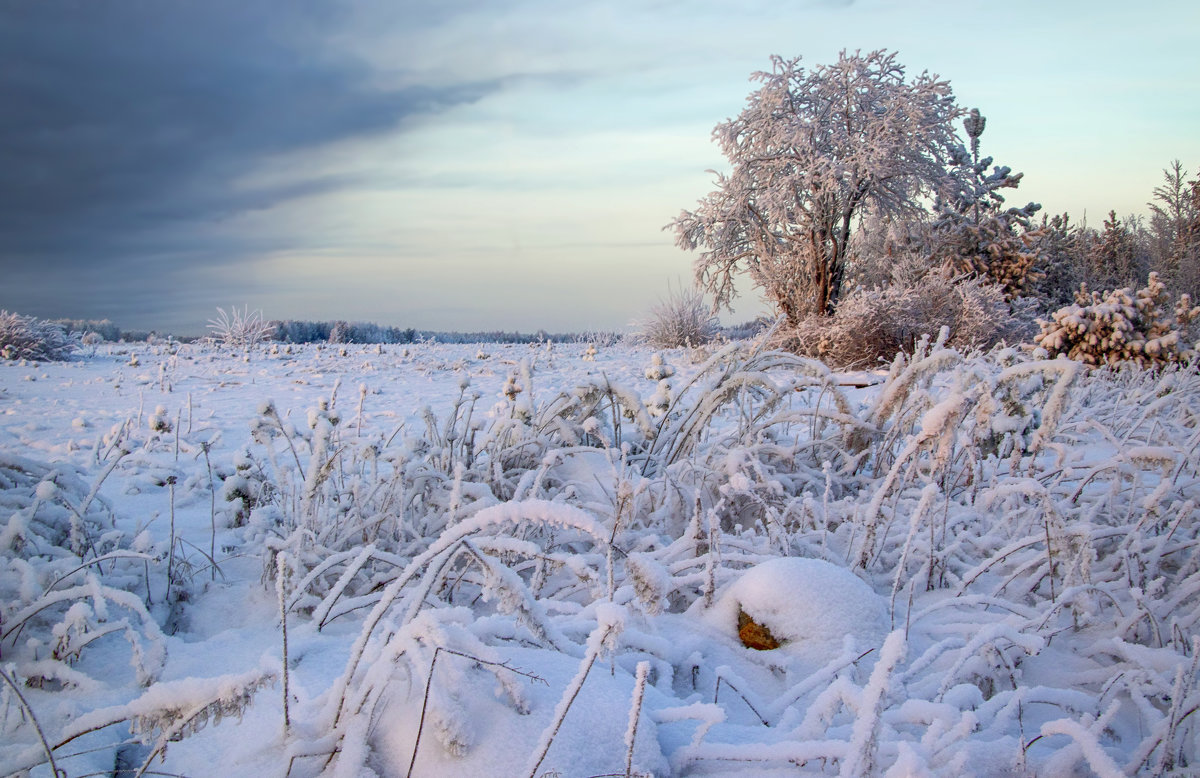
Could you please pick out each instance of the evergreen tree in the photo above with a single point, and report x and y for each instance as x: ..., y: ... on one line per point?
x: 1175, y: 229
x: 1113, y: 261
x: 1063, y: 254
x: 975, y: 233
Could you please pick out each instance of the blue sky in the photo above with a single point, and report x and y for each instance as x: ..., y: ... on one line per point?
x: 492, y: 165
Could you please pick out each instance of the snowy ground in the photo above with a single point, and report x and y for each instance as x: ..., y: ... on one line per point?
x: 515, y: 561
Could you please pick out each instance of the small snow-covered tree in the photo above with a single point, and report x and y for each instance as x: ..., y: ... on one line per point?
x: 975, y: 233
x: 1114, y: 260
x: 1175, y: 227
x: 812, y: 151
x: 1123, y: 326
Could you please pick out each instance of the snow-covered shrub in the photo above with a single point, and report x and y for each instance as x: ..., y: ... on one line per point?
x: 873, y: 325
x: 1123, y: 326
x: 680, y: 319
x: 67, y: 586
x: 26, y: 337
x: 240, y: 328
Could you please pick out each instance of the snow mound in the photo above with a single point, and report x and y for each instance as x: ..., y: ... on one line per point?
x: 808, y: 605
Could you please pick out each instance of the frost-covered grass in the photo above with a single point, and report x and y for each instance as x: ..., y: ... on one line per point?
x: 445, y: 561
x: 681, y: 318
x: 239, y: 328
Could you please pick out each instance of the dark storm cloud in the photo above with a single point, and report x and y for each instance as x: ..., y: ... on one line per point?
x: 124, y: 125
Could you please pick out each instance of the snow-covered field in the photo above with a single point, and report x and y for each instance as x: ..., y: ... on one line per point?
x: 515, y: 561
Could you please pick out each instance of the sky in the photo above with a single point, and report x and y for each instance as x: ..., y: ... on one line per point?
x: 493, y: 164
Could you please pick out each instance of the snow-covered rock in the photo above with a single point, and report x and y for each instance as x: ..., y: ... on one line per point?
x: 808, y: 605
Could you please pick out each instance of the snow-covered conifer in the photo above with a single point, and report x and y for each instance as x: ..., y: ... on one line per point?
x: 1123, y: 326
x: 975, y: 233
x: 1114, y: 260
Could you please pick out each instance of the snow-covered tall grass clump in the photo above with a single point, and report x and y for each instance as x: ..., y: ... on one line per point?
x: 240, y: 328
x: 681, y: 318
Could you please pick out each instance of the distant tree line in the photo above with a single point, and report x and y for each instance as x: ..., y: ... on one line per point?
x: 293, y: 331
x: 341, y: 331
x: 102, y: 329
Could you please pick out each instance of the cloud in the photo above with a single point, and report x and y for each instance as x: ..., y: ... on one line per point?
x: 131, y: 128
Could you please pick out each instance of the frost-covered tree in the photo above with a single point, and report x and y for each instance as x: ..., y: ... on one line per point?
x: 975, y: 233
x: 340, y: 333
x: 1063, y: 251
x: 1168, y: 218
x: 1175, y: 227
x: 812, y: 152
x: 1114, y: 260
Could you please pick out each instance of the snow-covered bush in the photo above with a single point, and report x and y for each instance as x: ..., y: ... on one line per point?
x: 240, y: 329
x: 873, y: 325
x: 680, y: 319
x: 1123, y: 326
x: 26, y: 337
x: 67, y: 582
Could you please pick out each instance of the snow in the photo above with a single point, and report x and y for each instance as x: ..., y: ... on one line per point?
x: 809, y: 605
x: 977, y: 565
